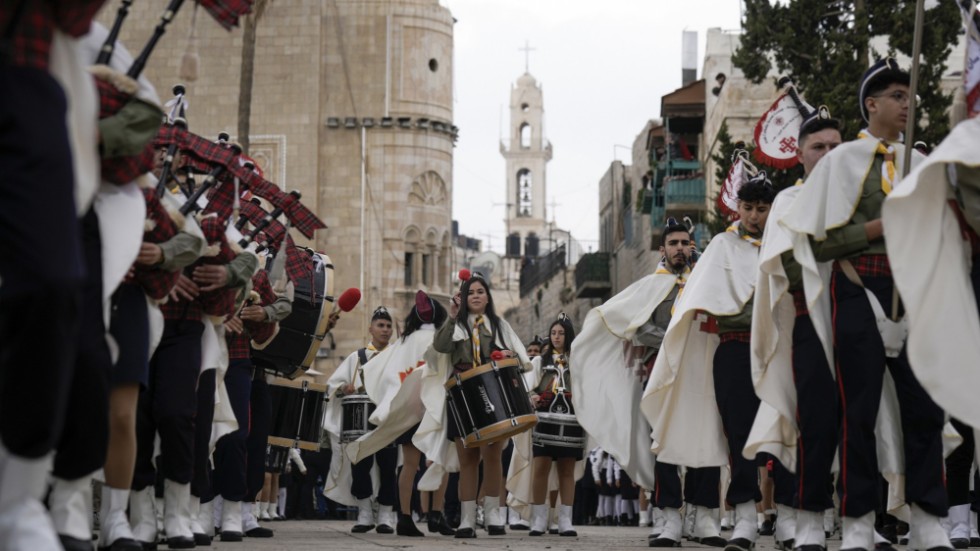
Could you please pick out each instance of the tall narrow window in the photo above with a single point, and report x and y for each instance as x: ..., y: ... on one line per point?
x: 525, y: 192
x: 427, y: 270
x: 409, y: 269
x: 525, y: 136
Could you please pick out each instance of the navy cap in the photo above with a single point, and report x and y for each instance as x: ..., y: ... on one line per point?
x: 884, y: 69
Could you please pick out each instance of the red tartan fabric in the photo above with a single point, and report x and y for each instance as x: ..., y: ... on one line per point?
x: 799, y: 301
x: 227, y: 12
x: 181, y: 310
x: 740, y: 336
x: 220, y: 302
x: 870, y: 265
x: 238, y: 346
x: 298, y: 264
x: 31, y: 36
x: 120, y: 170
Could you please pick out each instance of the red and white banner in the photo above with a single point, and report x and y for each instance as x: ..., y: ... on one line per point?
x: 728, y: 197
x: 971, y: 72
x: 776, y: 134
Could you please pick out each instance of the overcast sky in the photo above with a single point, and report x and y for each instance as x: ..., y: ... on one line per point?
x: 603, y: 67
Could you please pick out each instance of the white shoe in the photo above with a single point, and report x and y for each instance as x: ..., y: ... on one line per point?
x: 959, y: 520
x: 687, y: 528
x: 707, y: 523
x: 539, y: 519
x: 672, y: 525
x: 746, y: 522
x: 70, y: 507
x: 143, y: 516
x: 176, y: 513
x: 785, y: 529
x: 194, y: 519
x: 565, y: 521
x: 231, y: 521
x: 657, y: 521
x: 467, y: 518
x: 645, y: 518
x: 205, y: 518
x: 24, y: 522
x: 386, y: 517
x: 925, y: 531
x: 552, y: 520
x: 480, y: 517
x: 809, y: 529
x: 829, y: 522
x: 858, y: 533
x: 113, y: 524
x: 365, y: 515
x: 491, y: 512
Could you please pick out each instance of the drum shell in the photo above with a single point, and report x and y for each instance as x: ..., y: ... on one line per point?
x: 297, y: 413
x: 276, y: 458
x: 558, y: 429
x: 357, y: 410
x: 489, y: 403
x: 294, y: 348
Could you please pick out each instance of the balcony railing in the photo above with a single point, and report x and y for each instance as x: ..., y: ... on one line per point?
x: 686, y: 194
x: 540, y: 269
x: 592, y: 276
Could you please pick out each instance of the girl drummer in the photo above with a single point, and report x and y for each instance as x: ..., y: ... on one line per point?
x: 471, y: 334
x: 553, y: 379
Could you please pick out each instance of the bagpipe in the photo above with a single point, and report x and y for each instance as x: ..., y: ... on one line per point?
x: 116, y: 90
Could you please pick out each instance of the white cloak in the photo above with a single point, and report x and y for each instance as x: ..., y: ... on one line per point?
x: 606, y: 387
x: 679, y: 400
x: 931, y: 265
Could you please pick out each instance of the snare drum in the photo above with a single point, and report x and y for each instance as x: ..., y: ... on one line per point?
x: 489, y: 403
x: 357, y: 410
x: 558, y: 426
x: 276, y: 458
x: 297, y: 413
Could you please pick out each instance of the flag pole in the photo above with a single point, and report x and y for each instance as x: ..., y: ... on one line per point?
x: 920, y: 9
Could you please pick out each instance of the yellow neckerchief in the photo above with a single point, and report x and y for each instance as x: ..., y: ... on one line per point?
x: 888, y: 169
x: 477, y: 324
x: 799, y: 182
x: 681, y: 280
x: 737, y: 229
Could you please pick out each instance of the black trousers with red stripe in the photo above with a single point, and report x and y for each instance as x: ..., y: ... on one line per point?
x: 860, y: 370
x: 818, y: 417
x: 737, y: 404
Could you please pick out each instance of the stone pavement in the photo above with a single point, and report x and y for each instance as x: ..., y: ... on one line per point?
x: 335, y: 535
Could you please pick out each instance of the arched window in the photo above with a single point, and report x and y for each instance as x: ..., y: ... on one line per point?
x: 412, y: 246
x: 525, y: 192
x: 525, y: 136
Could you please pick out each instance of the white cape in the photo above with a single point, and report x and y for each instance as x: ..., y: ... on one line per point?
x: 338, y: 481
x: 931, y: 265
x: 773, y: 321
x: 606, y: 387
x: 679, y: 400
x: 392, y: 383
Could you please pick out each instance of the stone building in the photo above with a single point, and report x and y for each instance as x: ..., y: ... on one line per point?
x: 352, y: 104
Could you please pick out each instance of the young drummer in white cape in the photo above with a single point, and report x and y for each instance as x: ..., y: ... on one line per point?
x: 839, y: 211
x: 694, y: 367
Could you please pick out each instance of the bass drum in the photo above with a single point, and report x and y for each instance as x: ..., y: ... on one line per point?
x: 293, y: 349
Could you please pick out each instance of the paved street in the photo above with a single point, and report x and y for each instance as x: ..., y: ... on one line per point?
x: 335, y: 535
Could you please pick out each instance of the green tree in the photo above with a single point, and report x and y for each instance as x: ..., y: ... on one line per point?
x: 823, y: 45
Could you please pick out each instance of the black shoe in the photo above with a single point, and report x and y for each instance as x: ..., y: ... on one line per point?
x: 227, y: 536
x: 662, y: 542
x: 496, y: 530
x: 568, y: 534
x: 739, y: 544
x: 125, y: 544
x: 180, y: 542
x: 884, y: 546
x: 889, y: 532
x: 75, y: 544
x: 811, y: 547
x: 384, y: 529
x: 960, y: 543
x: 553, y: 531
x: 439, y: 523
x: 406, y: 527
x: 714, y: 541
x: 974, y: 542
x: 520, y: 527
x: 259, y: 532
x: 535, y: 533
x: 465, y: 533
x: 786, y: 545
x: 361, y: 528
x: 202, y: 540
x: 147, y: 545
x: 768, y: 528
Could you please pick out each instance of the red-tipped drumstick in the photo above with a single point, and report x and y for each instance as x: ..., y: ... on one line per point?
x: 348, y: 300
x: 465, y: 274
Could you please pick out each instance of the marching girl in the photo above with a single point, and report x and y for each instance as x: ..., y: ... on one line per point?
x: 468, y: 338
x: 553, y: 378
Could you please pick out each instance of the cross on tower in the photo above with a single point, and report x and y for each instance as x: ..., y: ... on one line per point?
x: 527, y: 49
x: 554, y: 209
